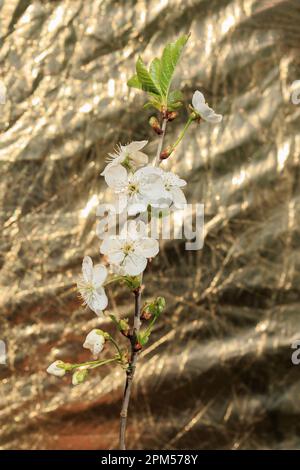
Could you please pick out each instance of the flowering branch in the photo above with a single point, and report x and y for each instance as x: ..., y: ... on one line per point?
x: 138, y: 188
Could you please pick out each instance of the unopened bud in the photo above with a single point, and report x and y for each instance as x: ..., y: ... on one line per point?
x: 137, y: 347
x: 79, y: 376
x: 160, y: 304
x: 166, y: 153
x: 153, y: 121
x: 146, y: 314
x: 124, y: 327
x: 172, y: 115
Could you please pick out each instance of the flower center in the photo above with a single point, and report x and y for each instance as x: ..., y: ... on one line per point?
x: 133, y: 188
x: 127, y: 248
x: 126, y: 163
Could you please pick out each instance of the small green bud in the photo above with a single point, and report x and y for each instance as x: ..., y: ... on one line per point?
x: 102, y: 333
x: 160, y: 304
x: 124, y: 327
x: 133, y: 282
x: 79, y: 376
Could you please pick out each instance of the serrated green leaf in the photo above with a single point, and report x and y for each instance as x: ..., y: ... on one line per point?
x: 134, y: 82
x: 155, y: 71
x: 145, y: 78
x: 170, y: 58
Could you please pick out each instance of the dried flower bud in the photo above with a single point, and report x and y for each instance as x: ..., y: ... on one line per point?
x: 166, y: 153
x: 153, y: 121
x: 172, y: 115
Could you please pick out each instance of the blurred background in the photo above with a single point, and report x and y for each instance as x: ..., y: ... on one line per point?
x: 218, y: 370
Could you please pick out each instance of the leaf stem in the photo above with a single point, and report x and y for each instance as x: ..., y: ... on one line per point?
x: 182, y: 134
x: 111, y: 339
x: 93, y: 364
x: 115, y: 279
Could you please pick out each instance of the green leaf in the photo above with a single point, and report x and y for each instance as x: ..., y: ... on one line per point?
x: 175, y: 96
x: 155, y: 71
x: 145, y: 78
x: 155, y: 102
x: 175, y: 99
x: 143, y: 337
x: 170, y: 58
x: 134, y: 82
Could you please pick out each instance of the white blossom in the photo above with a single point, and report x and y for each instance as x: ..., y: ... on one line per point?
x: 94, y: 342
x: 135, y: 191
x: 202, y: 108
x: 172, y: 185
x: 53, y: 369
x: 90, y: 285
x: 130, y: 250
x: 128, y: 156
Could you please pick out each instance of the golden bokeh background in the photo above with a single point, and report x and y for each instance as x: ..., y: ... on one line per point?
x: 218, y: 371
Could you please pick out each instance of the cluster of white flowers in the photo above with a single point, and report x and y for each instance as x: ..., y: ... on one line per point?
x: 136, y: 186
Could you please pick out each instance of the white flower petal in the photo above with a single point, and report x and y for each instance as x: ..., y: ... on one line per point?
x: 214, y: 118
x: 53, y: 369
x: 94, y: 342
x: 140, y: 158
x: 198, y: 99
x: 137, y: 205
x: 110, y: 244
x: 178, y: 196
x: 134, y: 146
x: 134, y: 264
x: 116, y: 257
x: 87, y: 269
x: 98, y: 302
x: 116, y: 177
x: 99, y: 274
x: 147, y: 247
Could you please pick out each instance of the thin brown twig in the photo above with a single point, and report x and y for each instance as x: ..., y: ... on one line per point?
x: 131, y: 368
